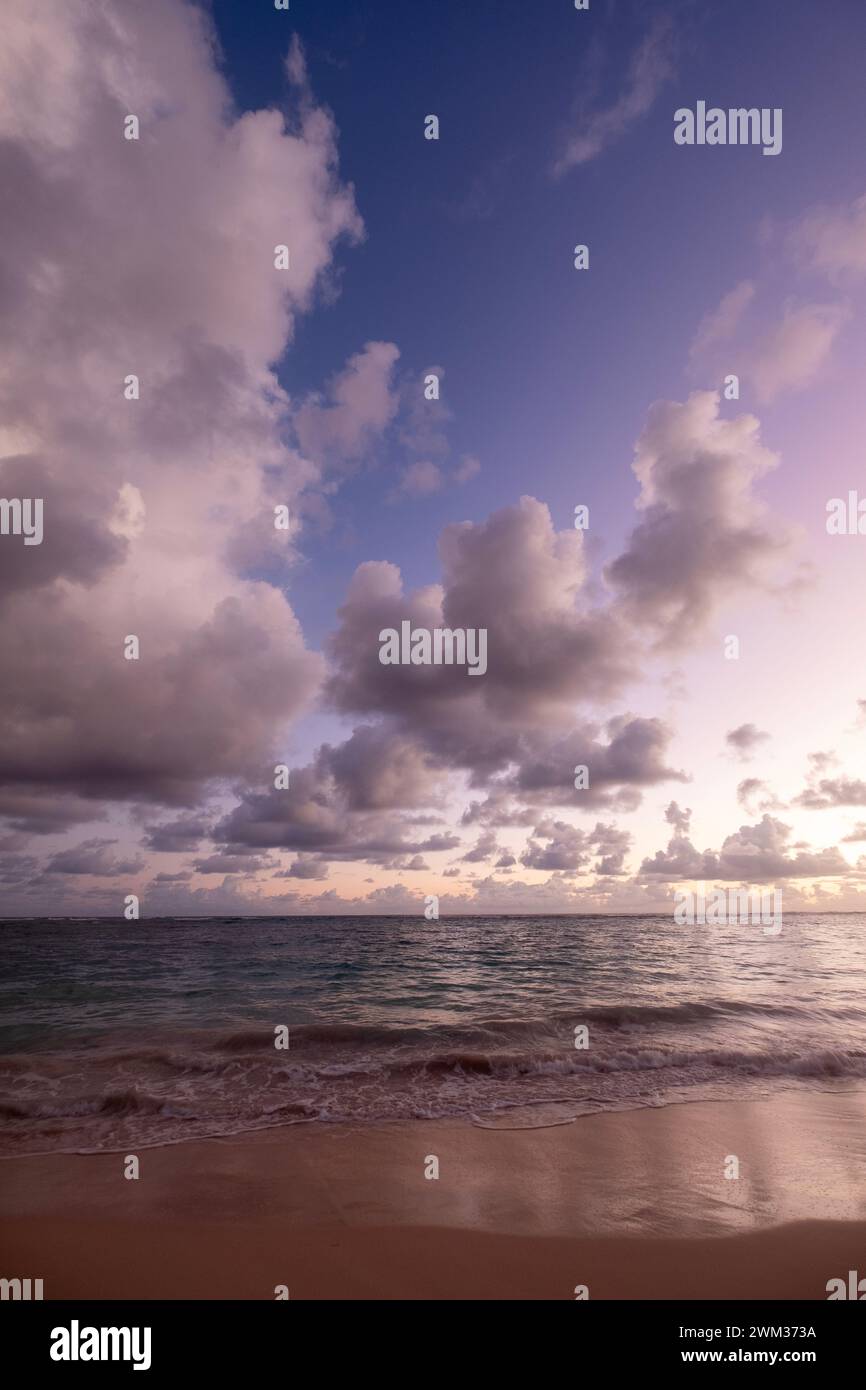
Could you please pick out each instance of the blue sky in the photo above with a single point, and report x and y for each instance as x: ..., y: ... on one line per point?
x: 467, y: 255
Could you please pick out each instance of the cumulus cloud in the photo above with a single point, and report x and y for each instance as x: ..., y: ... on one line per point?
x: 557, y: 845
x: 345, y: 805
x: 485, y: 847
x: 153, y: 257
x: 177, y: 836
x: 522, y: 581
x: 823, y: 792
x: 633, y: 757
x: 337, y: 426
x: 704, y: 534
x: 307, y: 867
x: 156, y: 257
x: 760, y: 853
x: 679, y: 817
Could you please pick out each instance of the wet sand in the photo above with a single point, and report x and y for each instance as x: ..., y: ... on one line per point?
x: 632, y: 1205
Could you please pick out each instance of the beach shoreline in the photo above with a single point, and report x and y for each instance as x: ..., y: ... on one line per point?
x: 630, y: 1204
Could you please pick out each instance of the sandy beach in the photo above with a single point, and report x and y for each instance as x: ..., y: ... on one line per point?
x: 632, y: 1204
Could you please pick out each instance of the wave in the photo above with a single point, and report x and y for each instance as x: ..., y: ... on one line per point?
x: 130, y: 1101
x: 612, y: 1016
x: 825, y: 1062
x: 109, y: 1092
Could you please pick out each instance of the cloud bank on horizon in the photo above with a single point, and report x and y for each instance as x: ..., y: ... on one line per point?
x: 154, y: 258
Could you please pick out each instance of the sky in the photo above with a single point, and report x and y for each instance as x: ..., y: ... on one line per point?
x: 697, y: 646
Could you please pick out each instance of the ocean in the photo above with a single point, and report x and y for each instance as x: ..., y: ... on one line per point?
x: 122, y: 1035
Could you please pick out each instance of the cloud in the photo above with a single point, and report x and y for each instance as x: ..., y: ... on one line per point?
x: 678, y: 817
x: 520, y: 580
x: 827, y: 792
x: 177, y: 836
x: 721, y: 323
x: 485, y: 848
x: 419, y: 479
x: 337, y: 426
x: 423, y: 478
x: 651, y: 67
x: 346, y: 804
x: 832, y: 240
x: 754, y: 795
x: 745, y: 740
x: 791, y: 355
x: 93, y: 857
x: 468, y: 468
x: 704, y: 534
x: 559, y: 846
x: 498, y: 809
x: 759, y: 853
x: 551, y: 645
x: 633, y: 757
x: 28, y: 810
x: 306, y: 867
x: 153, y: 257
x: 226, y: 862
x: 156, y: 258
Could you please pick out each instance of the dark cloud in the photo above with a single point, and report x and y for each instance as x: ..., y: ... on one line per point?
x: 632, y: 758
x: 342, y: 805
x: 93, y: 857
x: 512, y: 575
x: 559, y: 846
x: 485, y: 848
x: 177, y: 836
x: 678, y: 817
x: 225, y: 862
x: 306, y: 867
